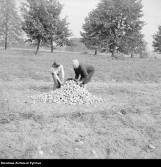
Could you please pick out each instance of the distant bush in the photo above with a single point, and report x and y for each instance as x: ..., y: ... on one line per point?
x: 119, y: 56
x: 145, y: 54
x: 78, y: 46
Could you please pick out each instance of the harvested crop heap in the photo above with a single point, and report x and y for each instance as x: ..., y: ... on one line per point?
x: 69, y: 93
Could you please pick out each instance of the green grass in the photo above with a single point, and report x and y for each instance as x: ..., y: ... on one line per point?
x: 25, y: 64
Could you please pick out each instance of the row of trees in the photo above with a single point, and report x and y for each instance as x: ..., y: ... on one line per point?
x: 42, y: 23
x: 40, y: 20
x: 114, y: 26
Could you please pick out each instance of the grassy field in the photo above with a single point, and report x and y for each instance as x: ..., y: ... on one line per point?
x: 126, y: 125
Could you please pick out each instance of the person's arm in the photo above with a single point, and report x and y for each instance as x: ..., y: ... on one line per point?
x: 57, y: 77
x: 62, y: 73
x: 55, y: 72
x: 52, y: 70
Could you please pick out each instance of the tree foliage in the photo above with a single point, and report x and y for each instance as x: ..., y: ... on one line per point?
x: 157, y: 41
x: 42, y: 22
x: 57, y: 34
x: 133, y: 45
x: 112, y: 24
x: 10, y: 24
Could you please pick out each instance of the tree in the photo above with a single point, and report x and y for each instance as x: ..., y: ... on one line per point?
x: 91, y: 43
x: 157, y: 41
x: 55, y: 27
x: 58, y: 34
x: 10, y: 27
x: 133, y: 45
x: 111, y: 23
x: 42, y: 23
x: 90, y: 38
x: 33, y: 13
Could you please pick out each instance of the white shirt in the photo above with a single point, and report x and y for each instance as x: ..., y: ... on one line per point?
x: 59, y: 72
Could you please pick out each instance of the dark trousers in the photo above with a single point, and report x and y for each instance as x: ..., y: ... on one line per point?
x: 56, y: 83
x: 90, y: 75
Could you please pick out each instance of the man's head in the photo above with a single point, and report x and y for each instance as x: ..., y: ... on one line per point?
x: 75, y: 63
x: 55, y: 64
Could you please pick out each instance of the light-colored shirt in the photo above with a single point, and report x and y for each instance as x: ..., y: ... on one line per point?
x: 59, y: 72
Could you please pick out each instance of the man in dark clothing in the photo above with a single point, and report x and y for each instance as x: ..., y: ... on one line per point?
x: 83, y: 72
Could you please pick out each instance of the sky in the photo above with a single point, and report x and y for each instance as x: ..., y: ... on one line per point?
x: 77, y: 11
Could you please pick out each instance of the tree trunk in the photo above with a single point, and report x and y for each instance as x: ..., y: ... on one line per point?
x: 38, y: 45
x: 113, y: 52
x: 132, y: 54
x: 52, y: 47
x: 6, y: 30
x: 6, y: 40
x: 95, y: 52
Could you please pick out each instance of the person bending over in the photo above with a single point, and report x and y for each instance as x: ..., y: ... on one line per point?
x: 83, y: 72
x: 57, y: 72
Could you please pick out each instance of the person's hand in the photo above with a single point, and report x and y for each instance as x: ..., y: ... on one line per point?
x: 79, y: 82
x: 52, y: 70
x: 62, y: 83
x: 76, y: 80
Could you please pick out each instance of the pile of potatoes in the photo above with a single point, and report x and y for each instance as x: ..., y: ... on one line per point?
x: 69, y: 93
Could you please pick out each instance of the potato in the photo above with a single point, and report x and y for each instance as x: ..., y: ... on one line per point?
x: 69, y: 93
